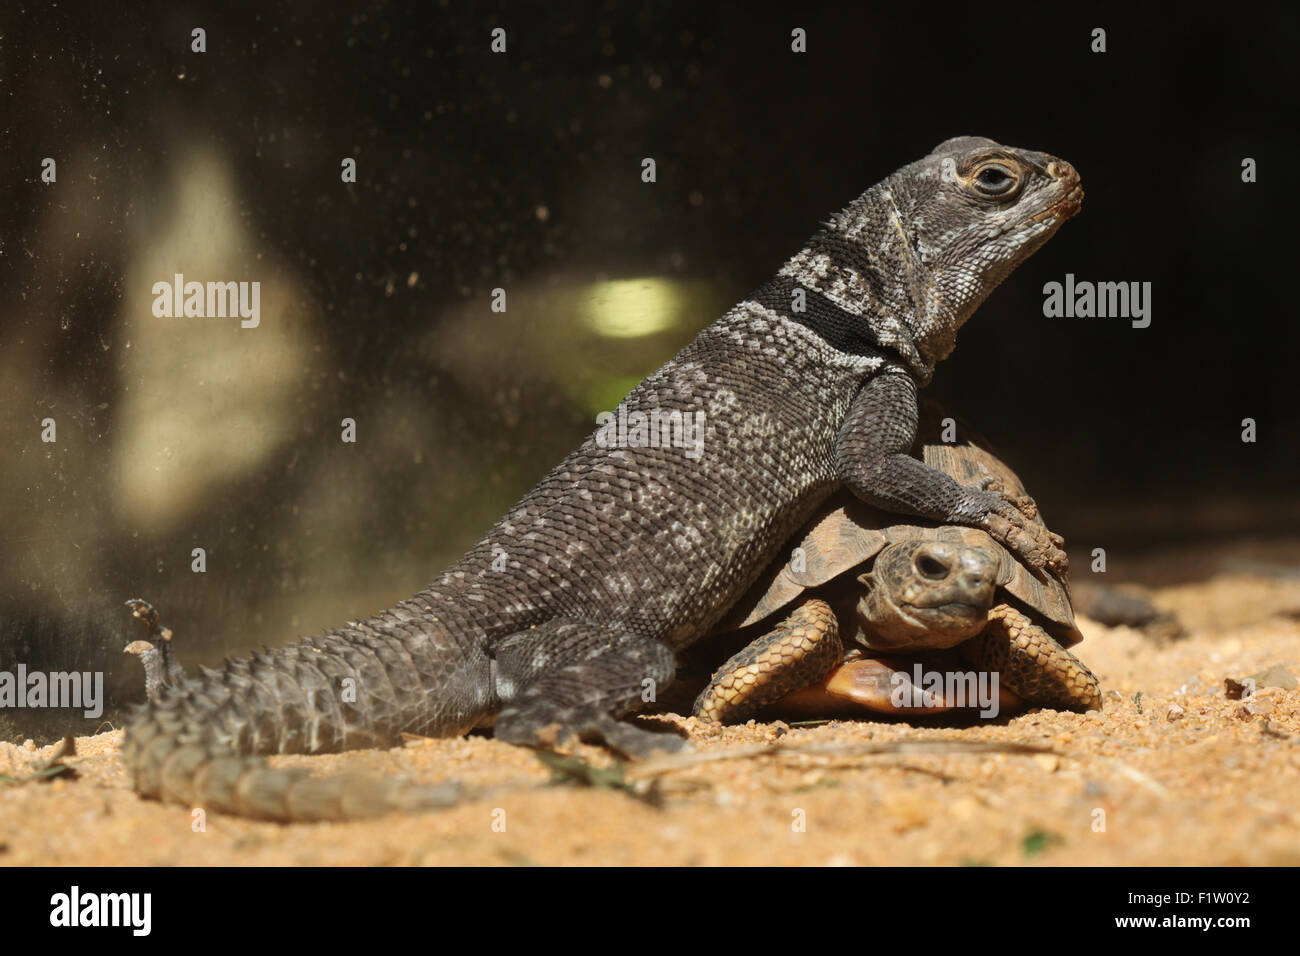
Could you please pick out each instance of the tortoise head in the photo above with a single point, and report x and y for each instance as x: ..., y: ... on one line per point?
x: 927, y: 594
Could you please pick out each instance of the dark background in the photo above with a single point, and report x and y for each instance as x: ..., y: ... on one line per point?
x: 1129, y: 438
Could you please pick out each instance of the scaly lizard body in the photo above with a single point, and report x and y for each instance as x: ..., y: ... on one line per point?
x: 622, y: 556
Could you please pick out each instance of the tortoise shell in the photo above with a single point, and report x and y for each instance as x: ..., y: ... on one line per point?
x: 846, y: 533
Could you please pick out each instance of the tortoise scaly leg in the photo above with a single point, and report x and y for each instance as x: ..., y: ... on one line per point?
x: 1031, y: 664
x: 799, y: 651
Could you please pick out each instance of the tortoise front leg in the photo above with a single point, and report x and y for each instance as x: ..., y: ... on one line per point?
x: 799, y: 651
x: 1031, y: 664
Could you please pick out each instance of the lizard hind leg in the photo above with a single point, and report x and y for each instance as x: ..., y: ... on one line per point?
x: 1032, y: 664
x: 568, y: 679
x: 799, y: 651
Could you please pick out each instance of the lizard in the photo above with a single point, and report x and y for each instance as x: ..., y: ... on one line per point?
x: 620, y: 557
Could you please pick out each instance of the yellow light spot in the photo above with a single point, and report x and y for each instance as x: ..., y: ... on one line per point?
x: 632, y: 308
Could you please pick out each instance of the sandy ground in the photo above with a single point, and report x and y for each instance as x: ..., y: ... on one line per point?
x: 1171, y: 772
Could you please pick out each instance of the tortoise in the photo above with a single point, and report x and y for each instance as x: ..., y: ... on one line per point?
x: 903, y: 591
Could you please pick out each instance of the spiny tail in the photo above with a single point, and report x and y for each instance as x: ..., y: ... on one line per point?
x: 198, y: 741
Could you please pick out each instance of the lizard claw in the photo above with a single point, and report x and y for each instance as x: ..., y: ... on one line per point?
x: 1026, y: 505
x: 144, y: 612
x: 1022, y: 503
x: 1009, y: 520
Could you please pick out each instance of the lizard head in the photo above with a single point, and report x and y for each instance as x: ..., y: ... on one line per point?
x: 941, y: 234
x: 971, y: 212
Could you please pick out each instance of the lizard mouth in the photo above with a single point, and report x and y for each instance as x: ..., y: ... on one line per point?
x: 1065, y: 207
x: 1072, y: 202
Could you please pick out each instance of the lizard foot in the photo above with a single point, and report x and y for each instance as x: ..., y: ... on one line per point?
x: 573, y: 678
x: 1007, y: 520
x: 1026, y: 505
x: 555, y: 727
x: 161, y: 668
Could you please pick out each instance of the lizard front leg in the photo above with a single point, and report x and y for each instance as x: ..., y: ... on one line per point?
x: 872, y: 460
x: 573, y: 678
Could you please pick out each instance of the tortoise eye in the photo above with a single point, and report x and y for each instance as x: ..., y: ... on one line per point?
x: 996, y: 181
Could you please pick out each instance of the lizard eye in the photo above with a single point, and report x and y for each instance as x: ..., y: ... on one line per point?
x: 995, y: 181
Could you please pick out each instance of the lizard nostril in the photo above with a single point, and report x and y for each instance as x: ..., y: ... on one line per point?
x: 1062, y: 171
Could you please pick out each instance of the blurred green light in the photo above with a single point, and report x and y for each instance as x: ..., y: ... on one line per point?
x: 632, y: 308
